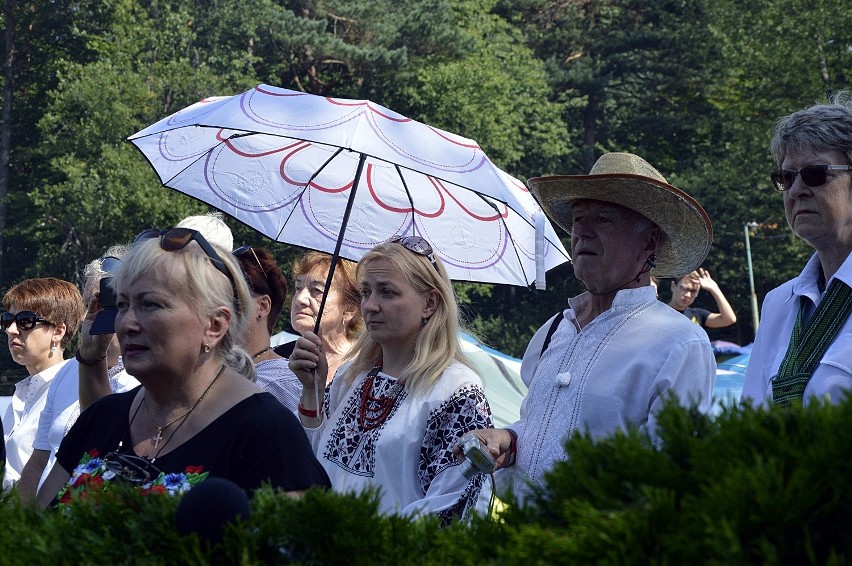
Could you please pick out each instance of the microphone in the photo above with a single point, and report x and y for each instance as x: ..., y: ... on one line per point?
x: 209, y: 506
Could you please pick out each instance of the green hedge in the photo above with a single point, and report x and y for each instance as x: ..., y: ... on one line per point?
x: 769, y: 487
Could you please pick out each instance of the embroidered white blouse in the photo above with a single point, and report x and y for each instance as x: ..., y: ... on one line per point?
x: 832, y: 377
x: 614, y: 373
x: 20, y: 422
x: 409, y: 457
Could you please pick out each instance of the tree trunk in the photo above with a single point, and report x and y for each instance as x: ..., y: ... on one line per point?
x: 589, y: 132
x: 6, y: 124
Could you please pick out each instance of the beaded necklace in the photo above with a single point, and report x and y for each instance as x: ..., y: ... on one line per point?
x: 375, y: 410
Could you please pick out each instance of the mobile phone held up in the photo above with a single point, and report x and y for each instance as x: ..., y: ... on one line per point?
x: 477, y: 459
x: 104, y: 322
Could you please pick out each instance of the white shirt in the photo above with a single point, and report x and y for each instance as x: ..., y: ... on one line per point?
x: 21, y: 420
x: 613, y: 374
x: 274, y: 376
x: 62, y: 406
x: 832, y: 377
x: 410, y: 455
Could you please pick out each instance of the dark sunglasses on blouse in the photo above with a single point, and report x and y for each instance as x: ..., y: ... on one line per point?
x: 24, y: 320
x: 417, y: 245
x: 130, y: 467
x: 243, y: 249
x: 812, y: 175
x: 175, y: 239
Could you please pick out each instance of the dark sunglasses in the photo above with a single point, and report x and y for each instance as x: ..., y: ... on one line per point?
x: 243, y: 249
x: 417, y: 245
x: 812, y: 175
x: 175, y: 239
x: 109, y: 263
x: 130, y: 467
x: 24, y: 320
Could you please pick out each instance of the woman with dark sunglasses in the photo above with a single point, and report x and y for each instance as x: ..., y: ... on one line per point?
x: 394, y: 412
x: 64, y: 402
x: 40, y: 318
x: 183, y: 306
x: 803, y: 348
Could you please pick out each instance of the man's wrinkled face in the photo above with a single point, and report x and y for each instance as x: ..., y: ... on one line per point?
x: 608, y: 244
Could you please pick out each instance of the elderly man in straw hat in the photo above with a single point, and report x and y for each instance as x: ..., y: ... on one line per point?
x: 609, y: 360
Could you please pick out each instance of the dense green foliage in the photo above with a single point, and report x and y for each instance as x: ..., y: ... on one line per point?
x: 769, y: 487
x: 545, y: 86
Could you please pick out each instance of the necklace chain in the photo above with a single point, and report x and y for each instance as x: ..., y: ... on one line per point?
x: 254, y: 357
x: 155, y: 440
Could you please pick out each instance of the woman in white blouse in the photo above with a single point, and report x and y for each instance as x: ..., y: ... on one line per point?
x: 407, y: 394
x: 40, y: 318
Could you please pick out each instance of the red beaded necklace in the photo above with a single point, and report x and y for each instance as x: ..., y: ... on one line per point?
x: 375, y: 410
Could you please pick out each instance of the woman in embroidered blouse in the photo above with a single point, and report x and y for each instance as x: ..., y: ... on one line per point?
x: 182, y: 308
x: 269, y: 292
x: 813, y: 151
x: 40, y: 317
x: 407, y: 394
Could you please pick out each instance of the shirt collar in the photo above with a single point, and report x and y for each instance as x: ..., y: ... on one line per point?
x: 806, y: 283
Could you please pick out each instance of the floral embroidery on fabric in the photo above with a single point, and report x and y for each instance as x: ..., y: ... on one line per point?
x: 354, y: 449
x: 92, y: 477
x: 466, y: 410
x: 465, y: 503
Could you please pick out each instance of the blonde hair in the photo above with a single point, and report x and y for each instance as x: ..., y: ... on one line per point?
x: 437, y: 345
x: 201, y: 286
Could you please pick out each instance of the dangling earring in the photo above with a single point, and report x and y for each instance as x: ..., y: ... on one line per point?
x: 206, y: 348
x: 52, y: 348
x: 425, y: 320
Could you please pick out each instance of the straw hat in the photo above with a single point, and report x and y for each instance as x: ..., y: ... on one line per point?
x: 629, y: 180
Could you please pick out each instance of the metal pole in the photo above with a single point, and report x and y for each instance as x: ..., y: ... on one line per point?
x: 754, y: 312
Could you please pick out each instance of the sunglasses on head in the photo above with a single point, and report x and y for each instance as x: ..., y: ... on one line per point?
x: 812, y: 175
x: 109, y: 263
x: 175, y: 239
x: 130, y: 467
x: 243, y: 249
x: 417, y: 245
x: 24, y: 320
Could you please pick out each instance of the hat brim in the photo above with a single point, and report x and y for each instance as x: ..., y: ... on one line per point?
x: 104, y: 322
x: 688, y: 230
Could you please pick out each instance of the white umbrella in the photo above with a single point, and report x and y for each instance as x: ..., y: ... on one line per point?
x: 341, y: 176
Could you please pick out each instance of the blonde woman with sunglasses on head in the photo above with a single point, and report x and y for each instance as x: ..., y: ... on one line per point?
x: 803, y: 348
x: 40, y: 318
x: 183, y: 306
x: 407, y: 394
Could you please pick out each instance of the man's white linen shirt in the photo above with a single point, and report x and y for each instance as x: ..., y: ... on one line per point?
x: 62, y: 407
x: 613, y: 374
x: 832, y: 377
x: 20, y: 422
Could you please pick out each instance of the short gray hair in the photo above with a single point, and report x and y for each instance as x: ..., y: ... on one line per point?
x: 94, y: 272
x: 822, y: 127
